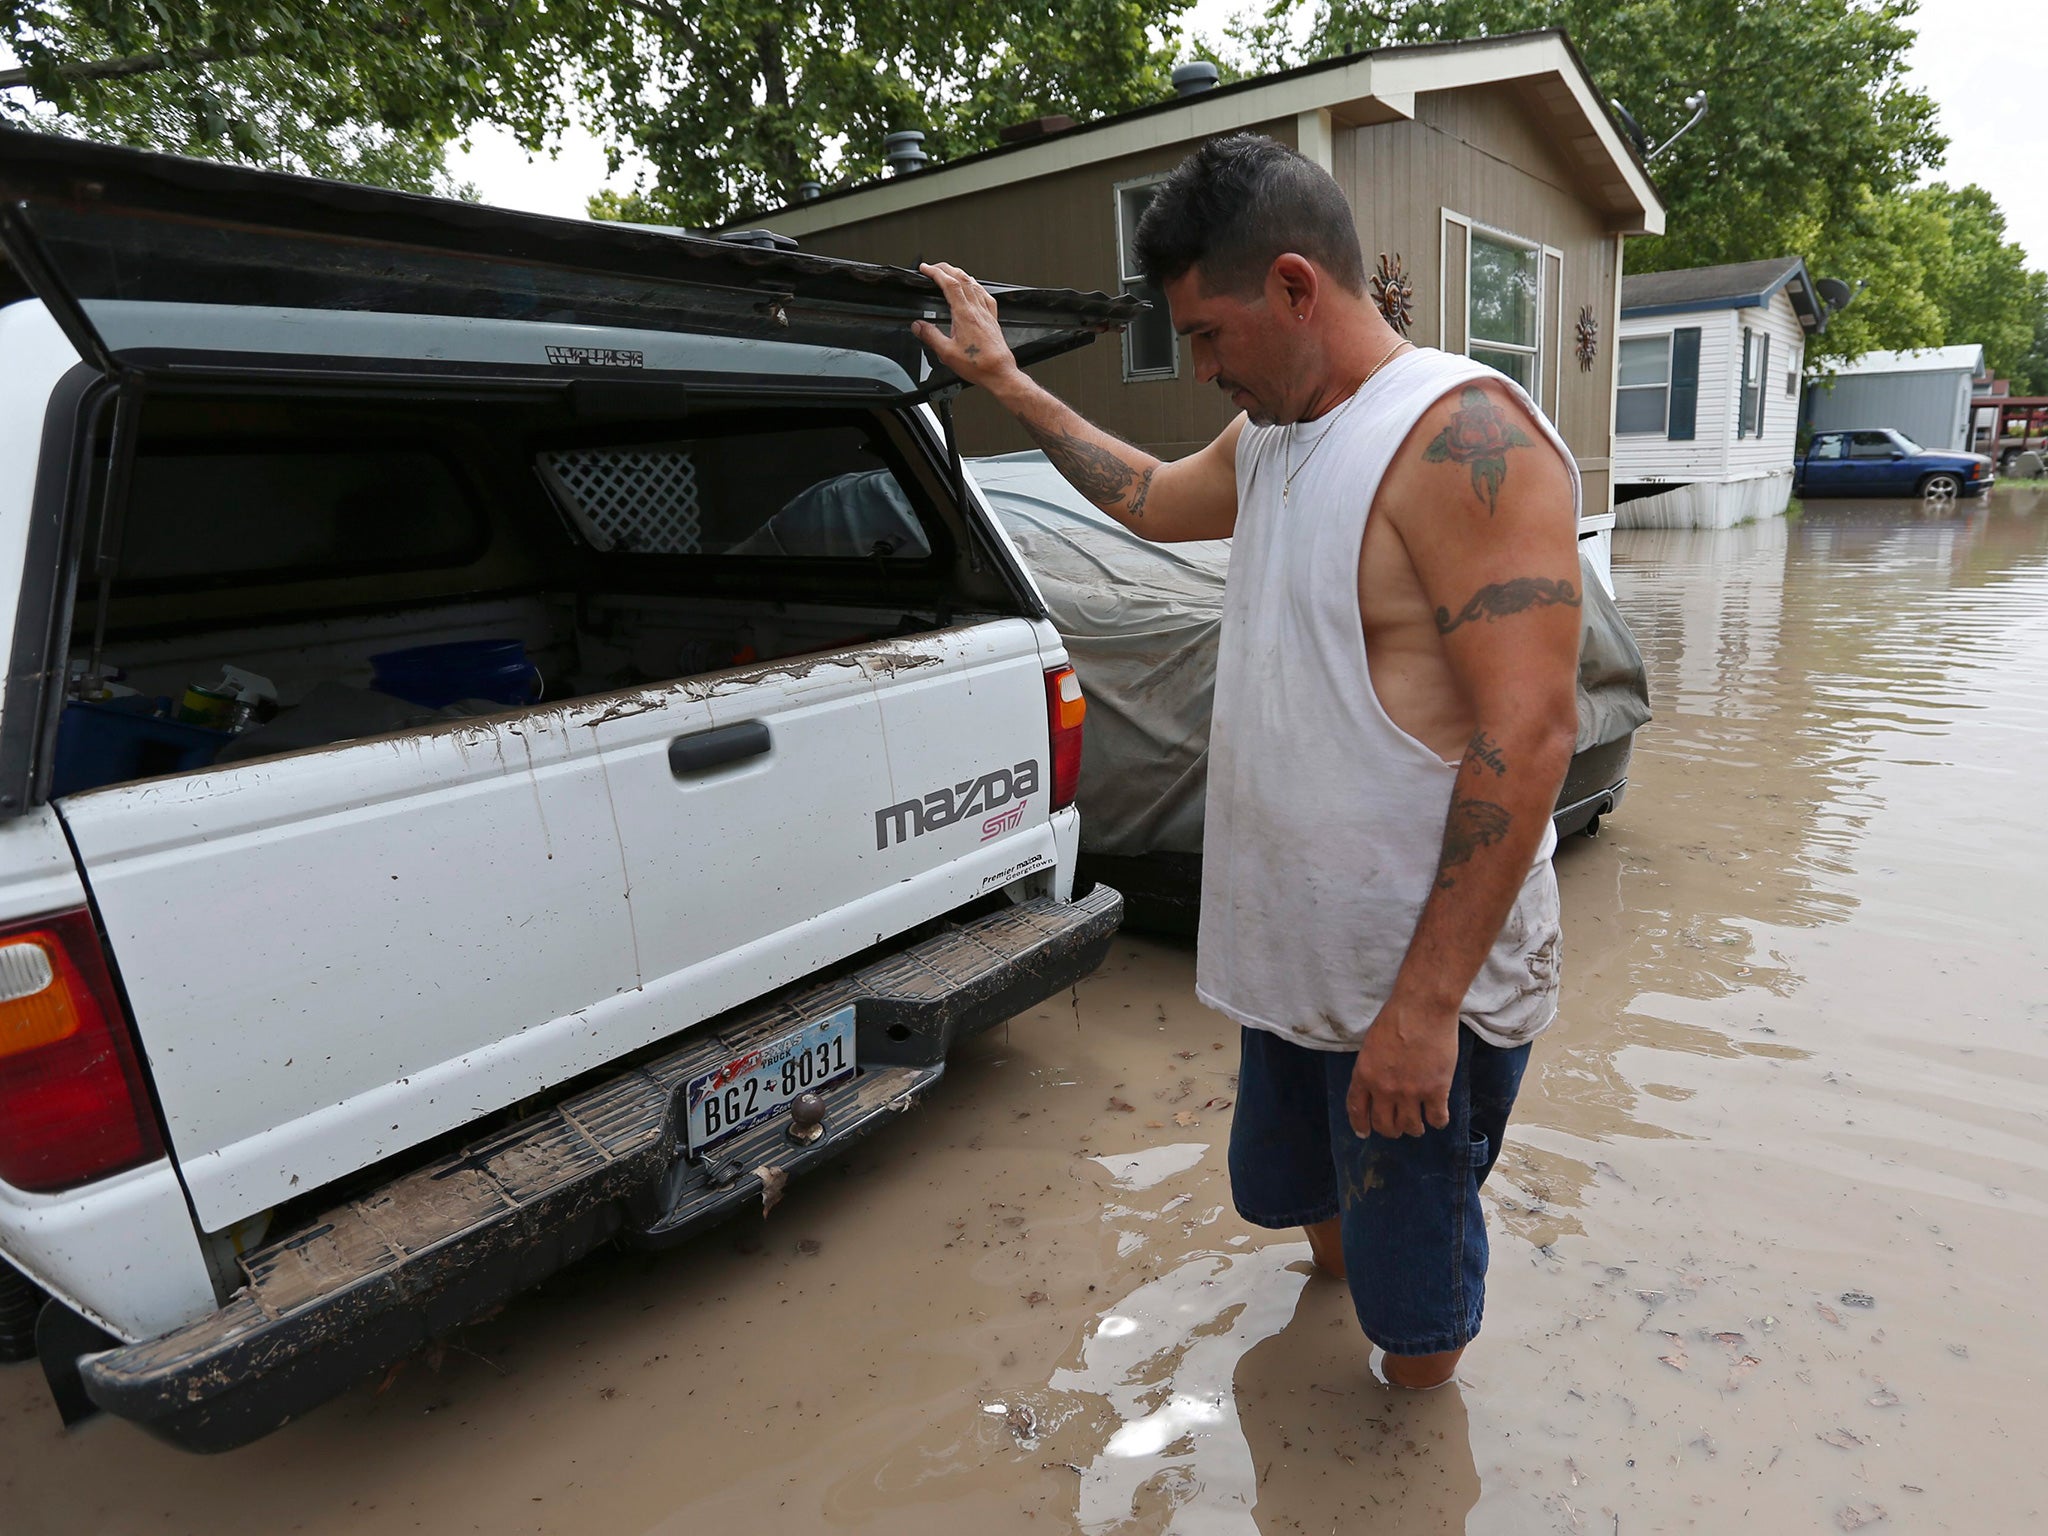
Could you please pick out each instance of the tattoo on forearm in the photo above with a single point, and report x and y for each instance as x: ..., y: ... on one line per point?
x: 1096, y: 472
x: 1473, y: 824
x: 1480, y: 434
x: 1509, y: 597
x: 1484, y: 749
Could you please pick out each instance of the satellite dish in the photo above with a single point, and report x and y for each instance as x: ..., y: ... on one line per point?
x: 1834, y: 293
x: 1631, y: 127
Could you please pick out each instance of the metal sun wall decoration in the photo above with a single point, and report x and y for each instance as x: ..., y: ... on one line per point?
x: 1393, y: 292
x: 1589, y: 339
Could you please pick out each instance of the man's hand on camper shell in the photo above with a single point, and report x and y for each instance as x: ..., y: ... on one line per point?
x: 976, y: 350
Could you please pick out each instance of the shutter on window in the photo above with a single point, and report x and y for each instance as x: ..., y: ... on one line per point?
x: 1763, y: 374
x: 1685, y: 383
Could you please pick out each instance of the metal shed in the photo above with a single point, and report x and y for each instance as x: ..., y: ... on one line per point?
x: 1924, y: 394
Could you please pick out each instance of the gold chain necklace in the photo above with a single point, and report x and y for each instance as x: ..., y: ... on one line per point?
x: 1287, y: 449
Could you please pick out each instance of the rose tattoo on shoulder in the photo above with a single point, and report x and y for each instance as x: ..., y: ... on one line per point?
x: 1479, y: 435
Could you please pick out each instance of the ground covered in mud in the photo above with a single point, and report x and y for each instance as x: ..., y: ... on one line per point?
x: 1763, y: 1236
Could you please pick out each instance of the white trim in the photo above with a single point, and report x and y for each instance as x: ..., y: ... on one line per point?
x: 1124, y: 278
x: 1557, y: 361
x: 1534, y: 352
x: 1663, y: 430
x: 1314, y: 137
x: 1443, y: 273
x: 1370, y: 88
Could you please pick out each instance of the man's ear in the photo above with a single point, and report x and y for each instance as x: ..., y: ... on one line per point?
x: 1293, y: 285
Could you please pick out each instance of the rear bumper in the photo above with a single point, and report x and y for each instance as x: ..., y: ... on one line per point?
x: 375, y: 1278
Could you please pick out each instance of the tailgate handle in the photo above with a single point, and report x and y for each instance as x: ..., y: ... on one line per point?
x: 701, y: 751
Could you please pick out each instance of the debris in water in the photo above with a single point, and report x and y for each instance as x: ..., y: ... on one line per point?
x: 1036, y: 1298
x: 1678, y: 1360
x: 1217, y: 1103
x: 774, y: 1180
x: 1120, y: 1106
x: 1884, y: 1397
x: 1728, y: 1340
x: 1858, y: 1299
x: 1739, y: 1372
x: 809, y: 1247
x: 1184, y: 1117
x: 1853, y: 1517
x: 1841, y: 1440
x: 1022, y: 1421
x: 1960, y: 1351
x: 1828, y: 1312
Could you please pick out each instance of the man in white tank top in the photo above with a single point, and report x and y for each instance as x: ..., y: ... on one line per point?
x: 1394, y: 715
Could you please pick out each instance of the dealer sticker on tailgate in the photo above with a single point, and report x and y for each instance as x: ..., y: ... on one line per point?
x: 756, y: 1083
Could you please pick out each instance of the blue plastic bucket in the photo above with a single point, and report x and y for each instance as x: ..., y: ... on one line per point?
x: 436, y: 675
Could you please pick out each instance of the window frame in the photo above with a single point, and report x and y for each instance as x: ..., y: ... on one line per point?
x: 1663, y: 427
x: 1128, y: 280
x: 1537, y: 353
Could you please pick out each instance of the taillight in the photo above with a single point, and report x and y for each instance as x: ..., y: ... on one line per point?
x: 72, y: 1102
x: 1065, y: 710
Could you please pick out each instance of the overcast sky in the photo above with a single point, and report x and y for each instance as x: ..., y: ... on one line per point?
x: 1981, y: 61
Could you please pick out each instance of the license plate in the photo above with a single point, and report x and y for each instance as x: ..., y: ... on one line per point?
x: 755, y: 1084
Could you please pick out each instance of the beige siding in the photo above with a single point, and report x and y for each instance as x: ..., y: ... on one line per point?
x: 1475, y: 153
x: 1061, y: 231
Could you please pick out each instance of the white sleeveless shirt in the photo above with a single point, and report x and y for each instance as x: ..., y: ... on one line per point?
x: 1325, y: 819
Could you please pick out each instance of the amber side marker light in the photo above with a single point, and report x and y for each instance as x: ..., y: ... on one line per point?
x: 73, y: 1105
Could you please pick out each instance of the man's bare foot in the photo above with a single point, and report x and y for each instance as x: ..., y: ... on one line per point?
x: 1326, y: 1244
x: 1420, y: 1372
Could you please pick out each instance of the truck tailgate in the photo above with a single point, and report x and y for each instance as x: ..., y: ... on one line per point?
x: 335, y: 955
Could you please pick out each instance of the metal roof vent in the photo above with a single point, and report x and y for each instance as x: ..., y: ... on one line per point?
x: 1191, y: 79
x: 809, y: 191
x: 764, y: 239
x: 905, y: 152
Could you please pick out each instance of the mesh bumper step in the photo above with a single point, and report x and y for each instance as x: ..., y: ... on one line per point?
x: 374, y: 1278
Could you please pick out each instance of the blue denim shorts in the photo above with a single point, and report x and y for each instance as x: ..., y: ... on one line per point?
x: 1414, y: 1231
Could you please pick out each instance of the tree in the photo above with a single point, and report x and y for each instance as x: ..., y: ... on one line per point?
x: 347, y: 88
x: 733, y: 103
x: 1808, y: 104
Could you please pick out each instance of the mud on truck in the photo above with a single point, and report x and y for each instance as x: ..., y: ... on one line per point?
x: 517, y: 734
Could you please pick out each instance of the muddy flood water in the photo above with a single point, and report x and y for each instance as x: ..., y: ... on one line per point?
x: 1767, y: 1237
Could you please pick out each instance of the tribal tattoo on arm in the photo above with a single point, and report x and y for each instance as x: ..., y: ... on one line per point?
x: 1473, y: 824
x: 1481, y: 435
x: 1503, y: 598
x: 1098, y: 473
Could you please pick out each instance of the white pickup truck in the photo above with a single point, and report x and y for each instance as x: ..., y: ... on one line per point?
x: 472, y: 783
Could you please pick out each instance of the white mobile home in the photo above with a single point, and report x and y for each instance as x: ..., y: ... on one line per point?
x: 1707, y: 392
x: 1924, y: 394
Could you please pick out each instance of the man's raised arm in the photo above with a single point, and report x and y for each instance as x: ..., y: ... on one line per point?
x: 1191, y: 498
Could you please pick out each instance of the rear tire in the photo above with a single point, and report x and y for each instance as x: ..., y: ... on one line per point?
x: 21, y: 1300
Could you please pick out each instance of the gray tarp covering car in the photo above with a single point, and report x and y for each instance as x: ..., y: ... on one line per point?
x: 1141, y: 621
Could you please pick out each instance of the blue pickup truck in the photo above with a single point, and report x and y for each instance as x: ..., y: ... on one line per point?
x: 1883, y: 462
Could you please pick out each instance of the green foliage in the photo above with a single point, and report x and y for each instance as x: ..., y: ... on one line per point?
x: 736, y: 102
x: 733, y: 103
x: 346, y: 88
x: 1811, y: 146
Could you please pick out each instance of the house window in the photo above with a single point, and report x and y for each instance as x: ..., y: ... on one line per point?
x: 1791, y: 383
x: 1756, y: 362
x: 1642, y: 402
x: 1504, y: 298
x: 1151, y: 350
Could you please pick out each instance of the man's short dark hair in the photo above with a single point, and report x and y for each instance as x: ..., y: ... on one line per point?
x: 1236, y: 205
